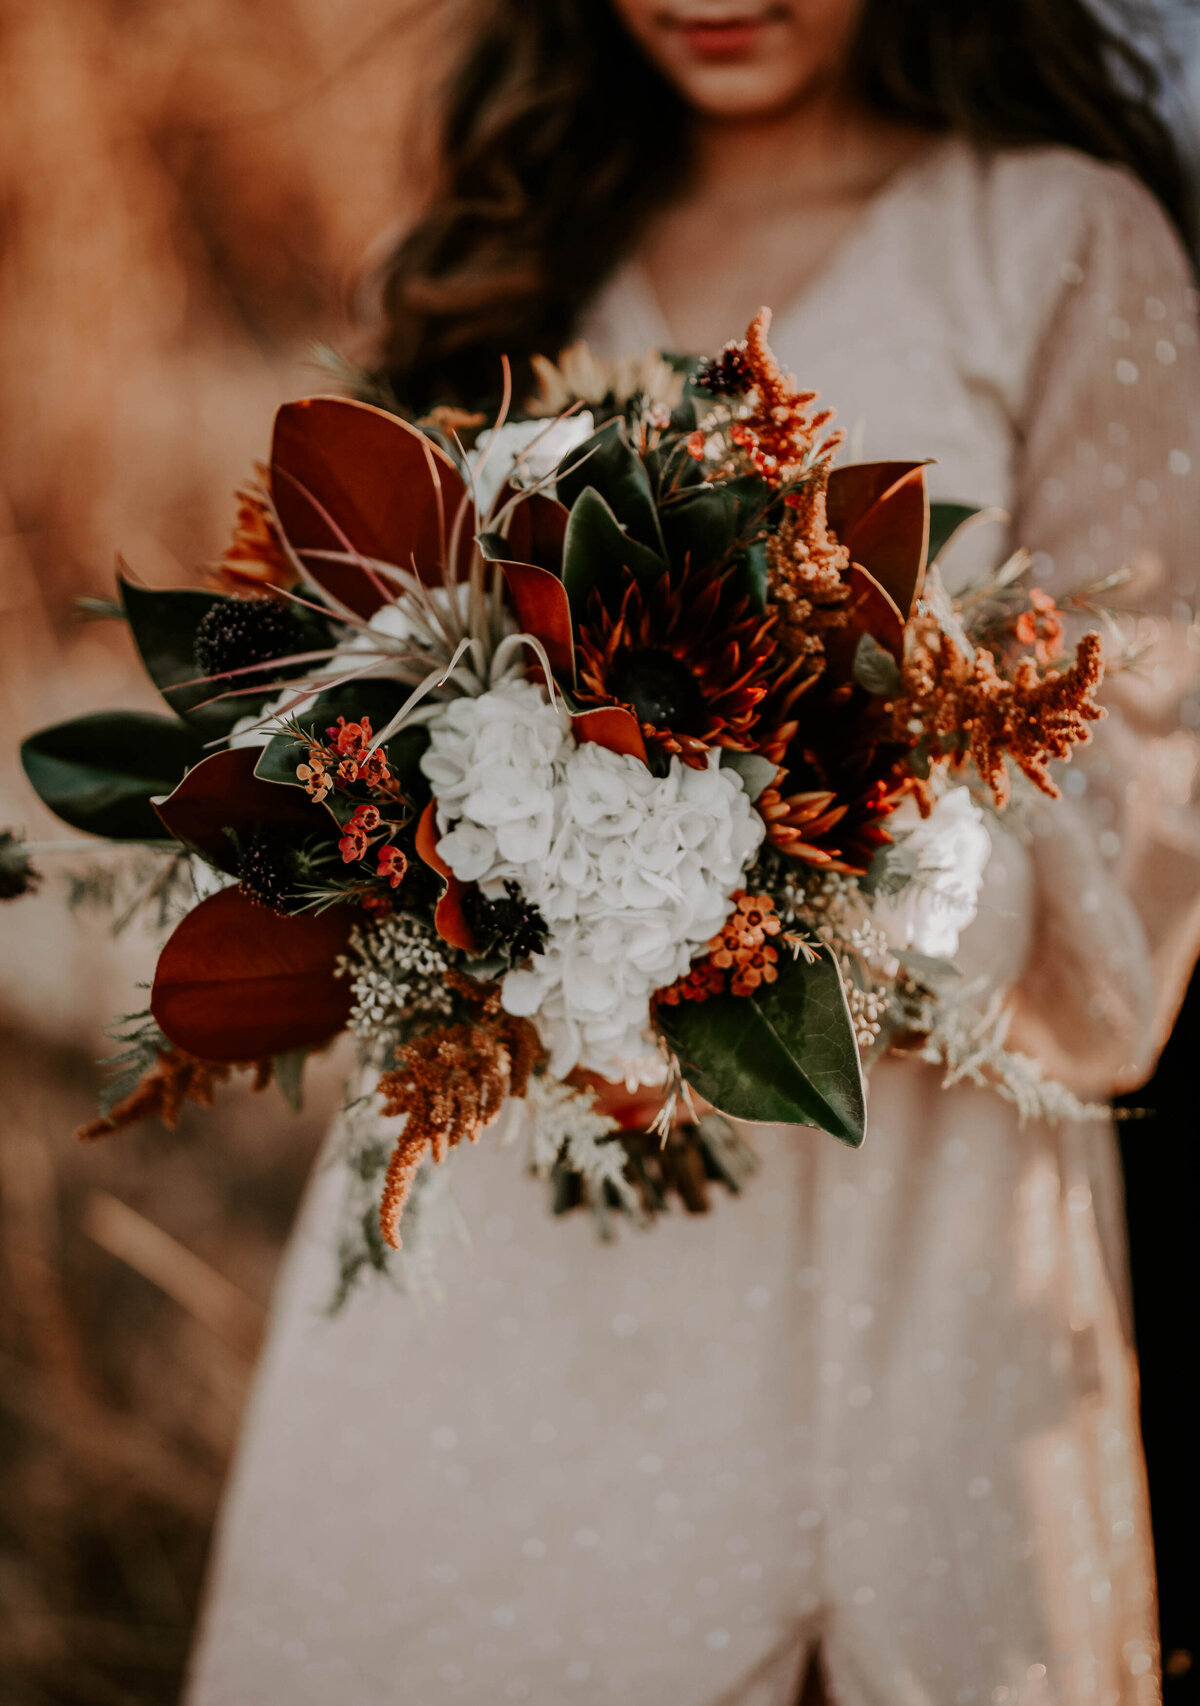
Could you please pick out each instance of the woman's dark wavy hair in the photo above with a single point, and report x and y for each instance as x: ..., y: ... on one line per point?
x: 559, y: 137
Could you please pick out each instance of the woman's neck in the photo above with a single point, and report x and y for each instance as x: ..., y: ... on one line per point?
x: 826, y: 148
x: 768, y: 201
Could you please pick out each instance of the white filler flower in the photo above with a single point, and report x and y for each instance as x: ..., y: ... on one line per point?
x: 632, y: 872
x: 524, y: 452
x: 950, y: 849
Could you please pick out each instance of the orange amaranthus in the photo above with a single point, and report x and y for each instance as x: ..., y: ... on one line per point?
x: 779, y: 435
x: 451, y: 1083
x: 806, y: 574
x: 175, y: 1078
x: 984, y: 716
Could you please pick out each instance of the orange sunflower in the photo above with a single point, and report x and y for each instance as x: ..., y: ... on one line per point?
x: 689, y: 660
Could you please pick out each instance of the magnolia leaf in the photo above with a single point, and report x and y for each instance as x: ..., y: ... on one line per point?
x: 755, y: 771
x: 945, y: 519
x: 610, y: 726
x: 346, y: 476
x: 875, y: 669
x: 609, y: 464
x: 100, y: 773
x: 596, y: 552
x: 880, y: 512
x: 405, y: 750
x: 289, y: 1075
x: 868, y: 610
x: 699, y: 527
x: 237, y: 981
x: 164, y: 623
x: 544, y: 611
x: 786, y: 1053
x: 449, y: 919
x: 751, y: 574
x: 537, y: 526
x: 222, y: 801
x: 494, y: 547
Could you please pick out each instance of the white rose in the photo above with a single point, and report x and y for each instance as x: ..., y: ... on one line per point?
x: 524, y: 452
x: 950, y: 848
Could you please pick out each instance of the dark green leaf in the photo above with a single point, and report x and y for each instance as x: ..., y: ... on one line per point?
x: 755, y: 771
x: 750, y: 575
x: 945, y: 519
x: 99, y: 773
x: 405, y: 751
x: 289, y: 1075
x: 494, y: 547
x: 379, y: 700
x: 596, y: 551
x: 700, y: 526
x: 875, y: 669
x: 608, y: 463
x: 786, y: 1053
x: 671, y: 469
x: 164, y: 624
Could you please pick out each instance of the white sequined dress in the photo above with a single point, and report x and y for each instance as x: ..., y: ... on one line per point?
x: 886, y: 1399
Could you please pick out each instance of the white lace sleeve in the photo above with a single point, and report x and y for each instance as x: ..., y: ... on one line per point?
x: 1110, y: 476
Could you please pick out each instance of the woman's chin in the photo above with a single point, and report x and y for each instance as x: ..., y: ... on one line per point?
x: 739, y: 89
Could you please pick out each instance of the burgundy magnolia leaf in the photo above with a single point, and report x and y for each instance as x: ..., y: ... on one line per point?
x: 870, y: 609
x: 880, y: 512
x: 537, y: 530
x: 544, y: 611
x: 237, y: 981
x: 611, y: 726
x: 345, y: 474
x: 223, y: 794
x: 633, y: 1110
x: 449, y: 919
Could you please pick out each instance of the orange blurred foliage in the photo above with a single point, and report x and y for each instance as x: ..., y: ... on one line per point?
x: 189, y: 195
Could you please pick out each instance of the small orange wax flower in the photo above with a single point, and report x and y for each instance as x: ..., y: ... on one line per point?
x: 392, y: 865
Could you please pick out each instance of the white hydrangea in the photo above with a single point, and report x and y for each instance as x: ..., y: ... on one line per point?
x: 949, y: 850
x: 632, y: 872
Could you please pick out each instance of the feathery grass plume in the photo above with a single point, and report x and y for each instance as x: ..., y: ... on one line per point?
x: 174, y: 1078
x: 970, y: 709
x: 779, y: 435
x: 452, y: 1082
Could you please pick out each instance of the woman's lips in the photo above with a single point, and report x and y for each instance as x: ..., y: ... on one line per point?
x: 725, y: 38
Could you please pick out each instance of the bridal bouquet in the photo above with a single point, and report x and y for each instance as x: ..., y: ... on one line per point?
x: 618, y: 767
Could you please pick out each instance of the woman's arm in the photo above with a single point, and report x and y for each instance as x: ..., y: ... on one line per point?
x: 1109, y: 475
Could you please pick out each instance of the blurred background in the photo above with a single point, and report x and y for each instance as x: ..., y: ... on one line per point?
x: 190, y: 194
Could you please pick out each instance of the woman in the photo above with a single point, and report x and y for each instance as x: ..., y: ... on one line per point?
x: 883, y: 1407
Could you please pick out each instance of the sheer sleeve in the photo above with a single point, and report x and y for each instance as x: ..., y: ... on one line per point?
x: 1109, y: 476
